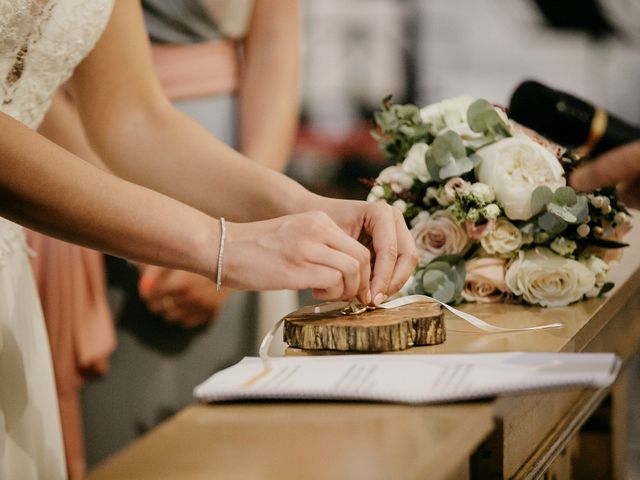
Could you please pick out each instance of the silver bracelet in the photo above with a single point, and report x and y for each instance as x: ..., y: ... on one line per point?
x: 223, y: 231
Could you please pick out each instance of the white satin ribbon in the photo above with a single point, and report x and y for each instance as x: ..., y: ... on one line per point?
x: 409, y: 299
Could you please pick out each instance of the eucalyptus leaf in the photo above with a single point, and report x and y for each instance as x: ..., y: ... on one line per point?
x: 551, y: 223
x: 563, y: 212
x: 483, y: 118
x: 432, y: 279
x: 443, y: 278
x: 452, y: 259
x: 447, y: 157
x: 448, y: 144
x: 438, y: 265
x: 580, y: 209
x: 540, y: 198
x: 456, y: 168
x: 565, y: 196
x: 446, y: 292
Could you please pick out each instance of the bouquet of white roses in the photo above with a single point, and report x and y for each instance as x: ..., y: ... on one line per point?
x: 488, y: 205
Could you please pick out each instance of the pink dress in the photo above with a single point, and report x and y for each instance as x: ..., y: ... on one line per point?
x: 71, y: 283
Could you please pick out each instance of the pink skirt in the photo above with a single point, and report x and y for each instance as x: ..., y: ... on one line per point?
x: 72, y: 288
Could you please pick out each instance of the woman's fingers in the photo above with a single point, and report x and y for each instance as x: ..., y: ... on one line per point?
x: 344, y: 285
x: 379, y: 223
x: 358, y: 266
x: 407, y: 255
x: 394, y: 249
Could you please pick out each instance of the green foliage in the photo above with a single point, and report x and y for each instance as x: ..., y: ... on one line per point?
x: 557, y: 210
x: 399, y: 127
x: 442, y: 278
x: 540, y: 198
x: 482, y: 117
x: 448, y: 158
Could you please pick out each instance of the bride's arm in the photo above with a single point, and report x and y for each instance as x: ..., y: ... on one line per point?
x: 50, y: 190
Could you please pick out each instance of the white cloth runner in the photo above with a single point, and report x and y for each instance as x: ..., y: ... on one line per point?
x: 409, y: 299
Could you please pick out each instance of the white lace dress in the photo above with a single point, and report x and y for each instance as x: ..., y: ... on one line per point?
x: 41, y: 42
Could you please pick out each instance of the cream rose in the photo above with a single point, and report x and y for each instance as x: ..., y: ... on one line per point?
x: 438, y: 234
x: 484, y: 281
x: 544, y: 278
x: 503, y: 239
x: 514, y: 167
x: 415, y: 162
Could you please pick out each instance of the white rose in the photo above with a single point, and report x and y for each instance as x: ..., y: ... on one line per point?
x: 447, y: 113
x: 514, y: 167
x: 483, y: 192
x: 400, y: 205
x: 544, y: 278
x: 396, y: 178
x: 438, y: 234
x: 415, y: 162
x: 504, y: 238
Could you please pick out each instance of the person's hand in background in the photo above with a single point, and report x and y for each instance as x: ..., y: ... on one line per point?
x: 180, y: 297
x: 619, y: 167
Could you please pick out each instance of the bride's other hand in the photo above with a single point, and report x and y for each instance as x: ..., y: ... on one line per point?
x: 295, y: 252
x: 179, y: 296
x: 392, y: 244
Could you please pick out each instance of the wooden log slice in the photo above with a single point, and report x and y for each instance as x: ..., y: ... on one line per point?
x: 324, y: 327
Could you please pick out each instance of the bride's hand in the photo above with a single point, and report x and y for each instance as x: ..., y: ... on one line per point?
x: 393, y: 247
x: 306, y: 250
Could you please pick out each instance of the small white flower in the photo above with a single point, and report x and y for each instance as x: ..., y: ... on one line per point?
x: 396, y: 178
x: 563, y: 246
x: 473, y: 215
x: 415, y: 162
x: 377, y: 191
x: 491, y: 211
x: 400, y: 205
x: 514, y: 167
x: 430, y: 194
x: 544, y: 278
x: 483, y: 192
